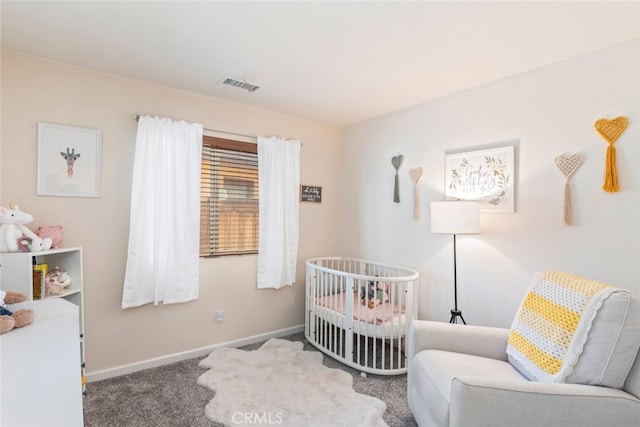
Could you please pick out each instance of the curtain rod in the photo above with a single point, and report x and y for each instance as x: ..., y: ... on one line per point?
x: 137, y: 116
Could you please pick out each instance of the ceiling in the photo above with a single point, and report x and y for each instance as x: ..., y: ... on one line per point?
x: 335, y: 62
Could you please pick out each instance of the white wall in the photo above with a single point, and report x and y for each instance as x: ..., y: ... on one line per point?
x: 548, y: 111
x: 36, y: 90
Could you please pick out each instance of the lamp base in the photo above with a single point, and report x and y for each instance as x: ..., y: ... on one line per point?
x: 454, y: 316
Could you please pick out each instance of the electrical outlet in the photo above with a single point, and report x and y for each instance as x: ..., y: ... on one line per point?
x: 219, y: 315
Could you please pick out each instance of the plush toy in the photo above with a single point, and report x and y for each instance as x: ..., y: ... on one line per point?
x: 54, y: 232
x: 10, y: 320
x: 367, y: 294
x: 15, y: 236
x: 56, y: 281
x: 382, y: 292
x: 374, y: 293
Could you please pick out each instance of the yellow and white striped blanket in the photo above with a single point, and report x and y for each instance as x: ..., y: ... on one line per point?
x: 551, y: 327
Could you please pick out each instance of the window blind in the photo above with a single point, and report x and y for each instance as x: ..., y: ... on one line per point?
x: 229, y: 198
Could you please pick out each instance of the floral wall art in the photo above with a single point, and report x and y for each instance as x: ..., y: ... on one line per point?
x: 485, y: 175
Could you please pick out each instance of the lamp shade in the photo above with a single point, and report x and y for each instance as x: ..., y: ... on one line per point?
x: 455, y: 217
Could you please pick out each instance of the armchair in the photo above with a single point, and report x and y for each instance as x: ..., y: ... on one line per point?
x: 466, y: 375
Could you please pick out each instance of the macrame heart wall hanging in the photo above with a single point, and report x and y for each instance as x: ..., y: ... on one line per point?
x: 396, y: 161
x: 415, y: 175
x: 610, y: 130
x: 568, y: 164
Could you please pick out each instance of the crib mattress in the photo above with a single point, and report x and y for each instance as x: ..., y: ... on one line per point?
x: 383, y: 321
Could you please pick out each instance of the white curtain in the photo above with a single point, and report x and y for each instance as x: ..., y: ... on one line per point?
x: 279, y: 177
x: 164, y: 230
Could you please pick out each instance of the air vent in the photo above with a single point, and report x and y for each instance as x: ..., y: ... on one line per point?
x: 240, y: 84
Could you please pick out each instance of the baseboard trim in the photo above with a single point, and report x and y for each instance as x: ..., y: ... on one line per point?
x: 178, y: 357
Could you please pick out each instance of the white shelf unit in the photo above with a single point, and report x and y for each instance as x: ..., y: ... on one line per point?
x: 39, y: 365
x: 16, y: 274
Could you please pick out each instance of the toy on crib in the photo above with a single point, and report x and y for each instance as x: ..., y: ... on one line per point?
x: 57, y: 280
x: 54, y: 232
x: 10, y: 320
x: 374, y: 293
x: 382, y: 292
x: 368, y: 294
x: 15, y: 236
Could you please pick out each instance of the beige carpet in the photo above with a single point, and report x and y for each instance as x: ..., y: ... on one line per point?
x: 281, y: 384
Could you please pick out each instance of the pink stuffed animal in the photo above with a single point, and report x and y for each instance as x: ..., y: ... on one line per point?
x: 57, y: 280
x: 54, y: 232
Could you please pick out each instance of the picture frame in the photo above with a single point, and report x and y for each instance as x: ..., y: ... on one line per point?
x: 484, y: 175
x: 310, y: 193
x: 69, y: 161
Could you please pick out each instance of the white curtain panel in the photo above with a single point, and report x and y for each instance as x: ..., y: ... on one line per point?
x: 279, y: 176
x: 164, y: 231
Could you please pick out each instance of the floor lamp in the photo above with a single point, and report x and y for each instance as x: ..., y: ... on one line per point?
x: 455, y: 217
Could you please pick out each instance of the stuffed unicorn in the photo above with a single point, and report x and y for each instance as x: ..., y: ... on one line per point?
x: 15, y: 236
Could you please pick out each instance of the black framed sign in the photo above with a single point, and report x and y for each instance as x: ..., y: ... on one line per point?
x: 310, y: 193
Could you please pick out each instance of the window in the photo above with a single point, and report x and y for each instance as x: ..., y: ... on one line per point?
x: 228, y: 198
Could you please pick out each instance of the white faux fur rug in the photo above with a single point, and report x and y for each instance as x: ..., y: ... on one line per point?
x: 280, y: 384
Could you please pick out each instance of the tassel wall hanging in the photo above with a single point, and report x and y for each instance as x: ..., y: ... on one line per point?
x: 610, y: 130
x: 396, y: 161
x: 415, y: 175
x: 568, y: 165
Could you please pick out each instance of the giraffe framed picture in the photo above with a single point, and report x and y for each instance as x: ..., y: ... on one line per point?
x: 69, y: 161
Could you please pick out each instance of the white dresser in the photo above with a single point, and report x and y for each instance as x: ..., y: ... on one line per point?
x: 40, y: 373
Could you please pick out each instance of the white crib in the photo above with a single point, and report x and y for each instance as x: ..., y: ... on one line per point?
x: 338, y: 323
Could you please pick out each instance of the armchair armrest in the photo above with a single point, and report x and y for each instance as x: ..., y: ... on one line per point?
x: 481, y: 341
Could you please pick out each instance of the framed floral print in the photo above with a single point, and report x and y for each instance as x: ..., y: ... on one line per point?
x: 485, y: 175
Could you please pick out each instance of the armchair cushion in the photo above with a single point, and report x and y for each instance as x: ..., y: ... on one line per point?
x: 434, y: 385
x: 575, y: 330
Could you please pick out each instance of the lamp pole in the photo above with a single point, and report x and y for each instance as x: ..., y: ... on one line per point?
x: 455, y: 217
x: 455, y: 313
